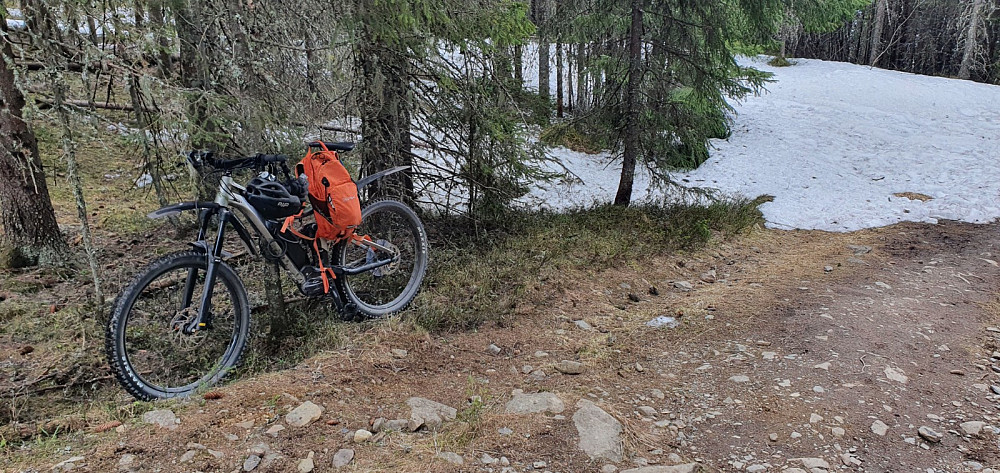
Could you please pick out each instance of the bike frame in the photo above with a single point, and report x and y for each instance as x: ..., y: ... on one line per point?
x: 228, y: 198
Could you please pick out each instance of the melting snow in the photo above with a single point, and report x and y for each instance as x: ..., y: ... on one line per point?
x: 834, y: 143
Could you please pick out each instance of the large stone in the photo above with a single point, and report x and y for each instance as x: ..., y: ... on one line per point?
x: 929, y: 434
x: 163, y: 418
x: 810, y: 463
x: 251, y: 462
x: 879, y: 428
x: 896, y: 374
x: 600, y: 434
x: 305, y: 414
x: 429, y: 414
x: 126, y: 462
x: 343, y: 457
x: 68, y: 464
x: 972, y: 427
x: 362, y: 436
x: 451, y: 458
x: 534, y: 403
x: 305, y: 465
x: 569, y: 367
x: 685, y: 468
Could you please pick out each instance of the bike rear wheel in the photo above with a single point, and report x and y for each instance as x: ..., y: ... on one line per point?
x: 149, y: 354
x: 400, y: 236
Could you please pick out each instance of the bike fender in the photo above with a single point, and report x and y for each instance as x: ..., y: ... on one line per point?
x: 379, y: 175
x: 177, y: 208
x: 202, y: 247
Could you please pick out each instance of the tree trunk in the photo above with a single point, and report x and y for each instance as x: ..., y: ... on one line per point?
x: 543, y: 66
x: 559, y: 79
x: 631, y: 138
x: 384, y: 74
x: 165, y: 61
x: 971, y: 40
x: 60, y: 87
x: 195, y: 71
x: 569, y: 78
x: 539, y: 15
x: 30, y: 233
x: 581, y: 77
x: 519, y: 66
x: 280, y: 321
x: 875, y: 54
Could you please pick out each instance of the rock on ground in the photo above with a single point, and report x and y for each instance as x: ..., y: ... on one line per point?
x: 810, y: 463
x: 879, y: 428
x: 569, y: 367
x: 305, y: 465
x: 427, y: 413
x: 305, y: 414
x: 600, y: 434
x: 534, y: 403
x: 685, y: 468
x: 251, y: 462
x: 163, y: 418
x: 972, y: 427
x: 343, y: 457
x: 451, y: 457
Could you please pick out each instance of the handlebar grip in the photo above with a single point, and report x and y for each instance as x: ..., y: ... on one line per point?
x: 272, y: 158
x: 198, y: 158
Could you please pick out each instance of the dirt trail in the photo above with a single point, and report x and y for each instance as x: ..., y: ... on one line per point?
x: 800, y: 345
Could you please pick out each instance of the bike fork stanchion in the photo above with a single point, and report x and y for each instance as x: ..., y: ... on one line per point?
x: 204, y: 220
x: 213, y: 260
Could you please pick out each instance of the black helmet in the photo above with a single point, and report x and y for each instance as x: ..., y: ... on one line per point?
x: 272, y: 199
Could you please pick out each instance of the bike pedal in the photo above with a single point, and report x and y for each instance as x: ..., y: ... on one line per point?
x: 313, y: 287
x: 352, y: 314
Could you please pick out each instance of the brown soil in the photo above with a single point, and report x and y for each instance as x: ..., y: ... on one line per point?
x: 824, y: 335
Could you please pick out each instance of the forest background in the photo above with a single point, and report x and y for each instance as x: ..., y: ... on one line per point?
x: 99, y: 101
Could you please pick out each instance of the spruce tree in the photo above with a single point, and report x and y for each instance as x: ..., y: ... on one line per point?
x: 667, y: 86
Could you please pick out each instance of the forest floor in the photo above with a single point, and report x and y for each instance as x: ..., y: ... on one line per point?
x: 866, y: 351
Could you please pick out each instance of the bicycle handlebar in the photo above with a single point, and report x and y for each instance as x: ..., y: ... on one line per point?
x: 201, y: 157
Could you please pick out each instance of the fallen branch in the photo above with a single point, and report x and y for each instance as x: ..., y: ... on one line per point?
x: 45, y: 103
x: 330, y: 128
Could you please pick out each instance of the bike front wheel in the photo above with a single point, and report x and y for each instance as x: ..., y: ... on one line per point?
x: 399, y: 237
x: 150, y: 354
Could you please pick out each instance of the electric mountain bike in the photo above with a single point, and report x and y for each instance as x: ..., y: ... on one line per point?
x: 183, y: 323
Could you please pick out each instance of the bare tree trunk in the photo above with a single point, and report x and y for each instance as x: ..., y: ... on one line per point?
x: 631, y: 138
x: 559, y: 79
x: 519, y: 66
x: 278, y: 313
x: 384, y: 76
x: 92, y: 30
x: 581, y: 77
x: 165, y: 61
x: 569, y: 78
x: 194, y: 70
x: 30, y: 233
x: 540, y: 15
x: 543, y: 66
x: 881, y: 8
x: 60, y: 87
x: 971, y: 40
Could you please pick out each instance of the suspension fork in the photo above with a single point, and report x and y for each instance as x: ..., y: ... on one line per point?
x: 204, y: 219
x: 214, y: 259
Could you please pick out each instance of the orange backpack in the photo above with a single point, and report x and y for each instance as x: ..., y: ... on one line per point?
x: 332, y: 193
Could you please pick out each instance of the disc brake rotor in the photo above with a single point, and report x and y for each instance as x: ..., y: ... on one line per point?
x: 177, y: 324
x: 389, y: 268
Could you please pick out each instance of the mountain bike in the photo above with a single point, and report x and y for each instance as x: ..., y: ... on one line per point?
x: 183, y: 322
